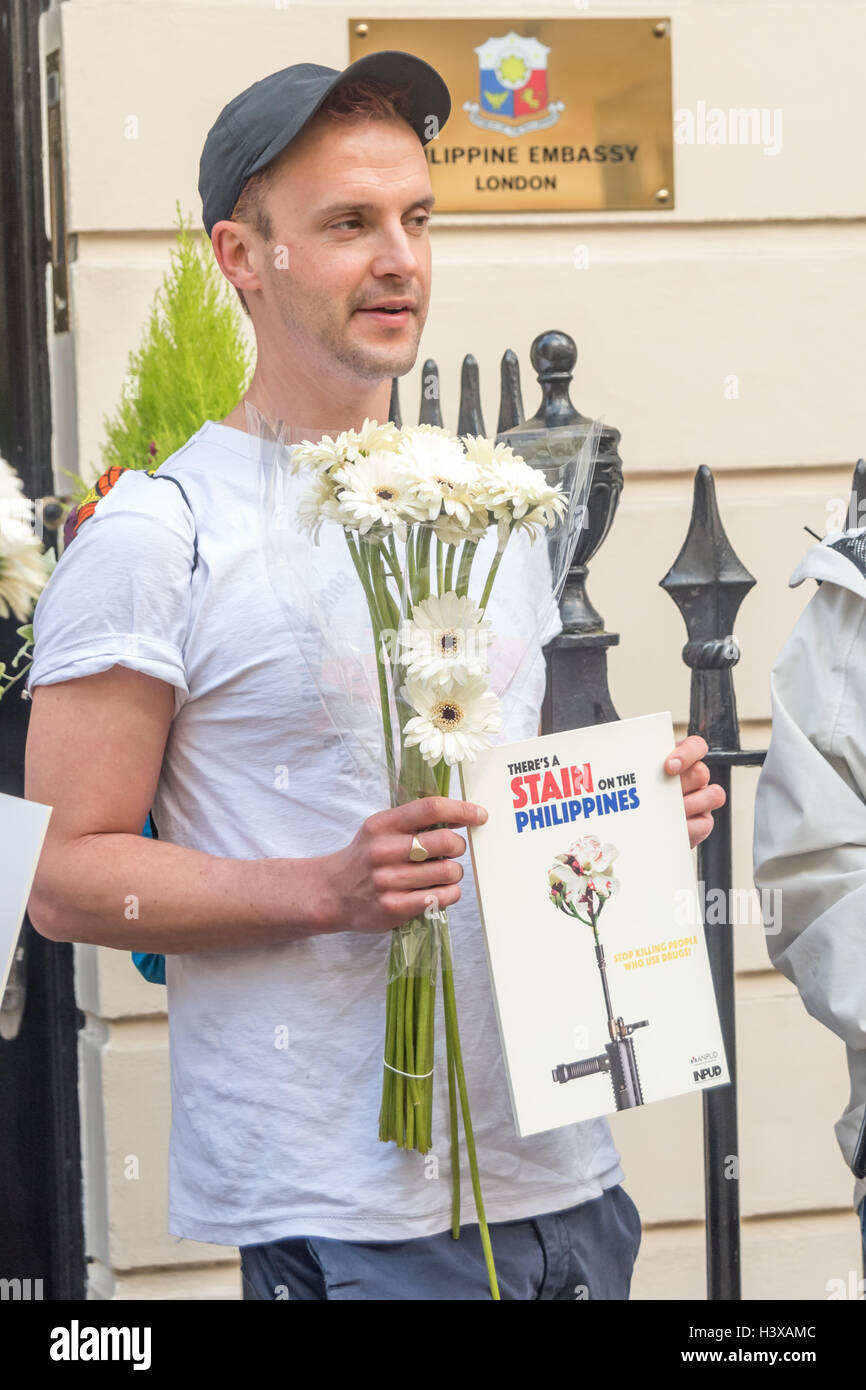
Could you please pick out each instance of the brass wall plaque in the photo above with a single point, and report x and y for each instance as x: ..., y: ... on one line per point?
x: 547, y: 115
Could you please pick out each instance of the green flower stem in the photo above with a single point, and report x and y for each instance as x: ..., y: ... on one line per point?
x: 406, y: 1112
x: 400, y: 1062
x: 466, y: 558
x: 455, y: 1136
x: 449, y: 568
x: 410, y: 565
x: 412, y: 1078
x: 449, y: 1005
x: 7, y: 682
x: 423, y: 557
x: 388, y: 608
x: 394, y: 566
x: 423, y: 1056
x: 440, y: 566
x: 497, y: 561
x: 443, y: 782
x: 390, y: 1047
x: 372, y: 604
x: 457, y: 1081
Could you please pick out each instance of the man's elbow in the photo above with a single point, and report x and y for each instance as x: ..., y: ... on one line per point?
x: 43, y: 918
x: 46, y: 917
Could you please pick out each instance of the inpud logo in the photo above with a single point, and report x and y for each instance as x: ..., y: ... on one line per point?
x: 704, y: 1073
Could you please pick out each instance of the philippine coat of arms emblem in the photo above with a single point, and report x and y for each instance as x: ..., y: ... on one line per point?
x: 512, y: 87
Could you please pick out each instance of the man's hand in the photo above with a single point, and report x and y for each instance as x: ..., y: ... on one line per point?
x: 699, y: 799
x: 372, y: 885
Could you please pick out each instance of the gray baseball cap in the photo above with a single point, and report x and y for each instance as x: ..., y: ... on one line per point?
x: 255, y: 126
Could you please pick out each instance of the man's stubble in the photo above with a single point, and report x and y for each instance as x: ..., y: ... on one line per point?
x: 326, y: 336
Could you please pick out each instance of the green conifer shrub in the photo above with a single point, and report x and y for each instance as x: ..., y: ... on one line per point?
x: 194, y: 362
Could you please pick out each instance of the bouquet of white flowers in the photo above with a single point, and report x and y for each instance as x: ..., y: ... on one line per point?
x: 417, y: 509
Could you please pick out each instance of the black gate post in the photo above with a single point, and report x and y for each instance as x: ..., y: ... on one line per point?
x: 708, y: 583
x: 41, y: 1223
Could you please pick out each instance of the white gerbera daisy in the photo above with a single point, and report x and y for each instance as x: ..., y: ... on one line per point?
x: 424, y: 429
x: 10, y: 483
x: 372, y: 436
x: 317, y: 503
x: 450, y: 531
x: 519, y: 497
x: 485, y: 453
x: 14, y: 506
x: 328, y: 453
x: 446, y: 639
x: 547, y: 504
x: 509, y: 485
x: 442, y: 476
x: 452, y: 721
x: 375, y: 491
x: 320, y: 455
x: 23, y: 573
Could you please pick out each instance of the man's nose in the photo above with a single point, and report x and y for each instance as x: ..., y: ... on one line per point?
x: 396, y: 253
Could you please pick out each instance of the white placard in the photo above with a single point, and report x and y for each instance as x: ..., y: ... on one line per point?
x: 22, y: 831
x: 566, y: 1054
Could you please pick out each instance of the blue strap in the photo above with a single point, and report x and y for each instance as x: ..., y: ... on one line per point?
x: 148, y: 963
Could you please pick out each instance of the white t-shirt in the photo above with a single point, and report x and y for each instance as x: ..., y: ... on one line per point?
x: 276, y: 1051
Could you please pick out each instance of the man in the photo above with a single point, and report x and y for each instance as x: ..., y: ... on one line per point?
x: 810, y: 811
x: 161, y: 651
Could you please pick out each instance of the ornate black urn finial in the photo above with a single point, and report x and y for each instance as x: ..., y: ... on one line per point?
x: 577, y: 691
x: 554, y: 357
x: 551, y: 440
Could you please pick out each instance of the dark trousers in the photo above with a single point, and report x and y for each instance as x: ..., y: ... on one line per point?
x: 583, y: 1252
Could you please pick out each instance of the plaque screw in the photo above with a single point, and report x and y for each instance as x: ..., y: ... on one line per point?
x: 362, y: 30
x: 662, y: 195
x: 660, y: 29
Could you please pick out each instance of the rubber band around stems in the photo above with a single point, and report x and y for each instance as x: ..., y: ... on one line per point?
x: 412, y: 1075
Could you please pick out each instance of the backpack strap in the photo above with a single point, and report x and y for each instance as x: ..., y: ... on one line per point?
x: 106, y: 481
x: 167, y: 478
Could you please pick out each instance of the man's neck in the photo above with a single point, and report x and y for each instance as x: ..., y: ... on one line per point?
x: 347, y: 410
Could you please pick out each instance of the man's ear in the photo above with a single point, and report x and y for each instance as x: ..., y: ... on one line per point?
x: 237, y: 250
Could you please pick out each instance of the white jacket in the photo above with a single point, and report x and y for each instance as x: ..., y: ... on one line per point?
x: 810, y: 813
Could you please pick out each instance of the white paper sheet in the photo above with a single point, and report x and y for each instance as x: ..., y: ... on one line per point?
x: 22, y: 831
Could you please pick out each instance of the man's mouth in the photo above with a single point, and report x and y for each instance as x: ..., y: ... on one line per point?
x: 396, y: 310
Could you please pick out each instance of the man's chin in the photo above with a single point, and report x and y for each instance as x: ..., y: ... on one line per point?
x: 394, y: 361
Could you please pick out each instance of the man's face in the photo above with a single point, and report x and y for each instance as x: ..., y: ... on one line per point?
x: 349, y: 209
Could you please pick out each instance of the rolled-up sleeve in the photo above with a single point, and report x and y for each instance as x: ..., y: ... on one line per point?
x: 121, y: 593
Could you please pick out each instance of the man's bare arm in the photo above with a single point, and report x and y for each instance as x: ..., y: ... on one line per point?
x: 94, y: 752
